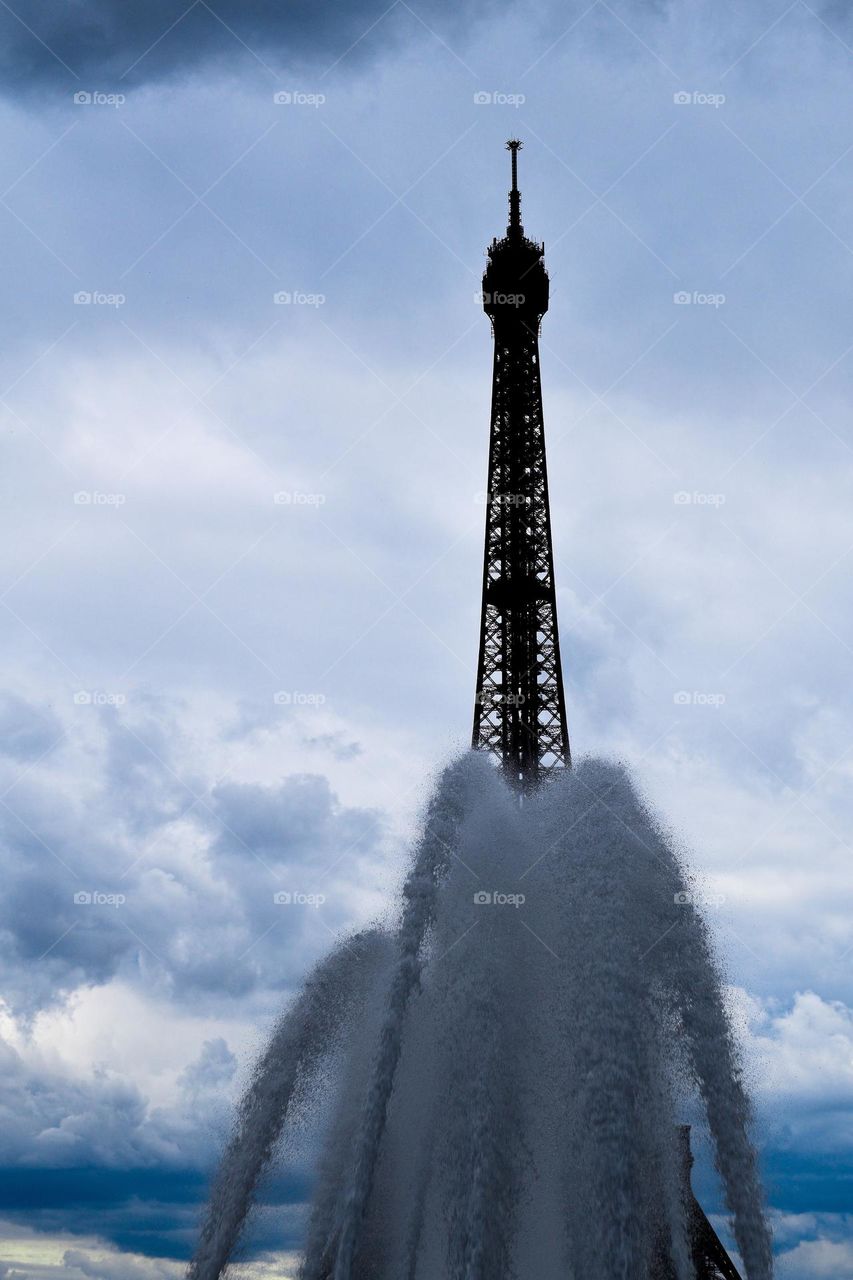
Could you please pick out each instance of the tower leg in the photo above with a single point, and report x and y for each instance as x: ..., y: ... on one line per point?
x: 710, y: 1260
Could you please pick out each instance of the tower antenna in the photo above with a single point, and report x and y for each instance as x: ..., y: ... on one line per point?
x: 515, y: 228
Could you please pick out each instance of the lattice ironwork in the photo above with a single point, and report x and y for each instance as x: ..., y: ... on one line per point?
x: 710, y: 1260
x: 520, y: 710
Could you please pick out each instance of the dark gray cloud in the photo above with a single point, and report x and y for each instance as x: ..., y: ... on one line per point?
x: 51, y: 1120
x: 145, y: 1211
x: 119, y: 43
x: 92, y: 1157
x: 102, y: 883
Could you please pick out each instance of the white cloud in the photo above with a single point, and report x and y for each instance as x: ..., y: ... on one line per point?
x: 29, y: 1255
x: 806, y: 1050
x: 814, y: 1259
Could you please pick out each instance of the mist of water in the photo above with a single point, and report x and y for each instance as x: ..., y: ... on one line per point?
x: 302, y: 1038
x: 508, y: 1095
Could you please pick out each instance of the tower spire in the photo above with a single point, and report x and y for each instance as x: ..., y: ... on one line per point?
x: 514, y: 229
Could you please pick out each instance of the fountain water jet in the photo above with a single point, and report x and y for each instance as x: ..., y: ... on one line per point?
x: 549, y: 995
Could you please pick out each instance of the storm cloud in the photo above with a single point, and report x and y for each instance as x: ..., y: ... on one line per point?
x: 213, y: 697
x: 121, y: 43
x: 98, y: 882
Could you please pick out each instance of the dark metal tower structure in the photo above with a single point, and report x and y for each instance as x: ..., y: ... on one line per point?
x: 520, y: 708
x: 710, y: 1260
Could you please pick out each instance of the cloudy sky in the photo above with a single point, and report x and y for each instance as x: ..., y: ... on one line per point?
x: 244, y: 401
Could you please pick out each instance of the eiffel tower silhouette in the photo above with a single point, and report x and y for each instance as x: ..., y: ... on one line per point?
x: 520, y: 705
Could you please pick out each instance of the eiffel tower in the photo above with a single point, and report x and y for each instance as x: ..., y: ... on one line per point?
x: 520, y: 706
